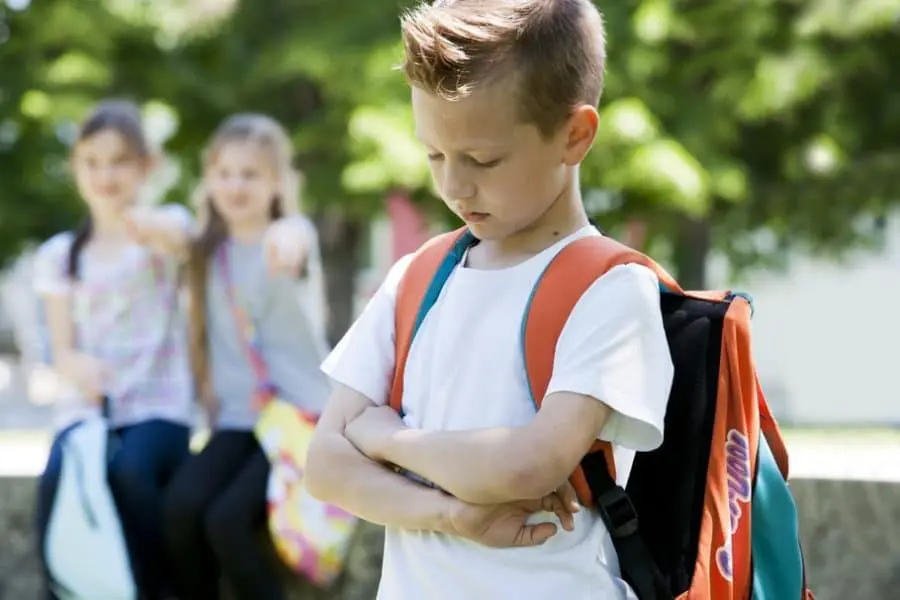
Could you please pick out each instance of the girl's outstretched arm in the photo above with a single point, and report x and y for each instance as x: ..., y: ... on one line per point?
x: 167, y: 228
x: 287, y: 244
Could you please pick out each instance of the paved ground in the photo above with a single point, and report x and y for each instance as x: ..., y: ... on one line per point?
x: 829, y: 456
x: 854, y: 454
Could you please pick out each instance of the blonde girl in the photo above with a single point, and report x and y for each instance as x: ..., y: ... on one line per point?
x: 255, y: 265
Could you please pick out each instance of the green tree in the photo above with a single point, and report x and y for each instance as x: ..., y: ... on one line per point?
x: 745, y: 128
x: 750, y: 127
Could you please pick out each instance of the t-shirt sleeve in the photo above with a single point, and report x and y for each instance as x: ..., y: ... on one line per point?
x: 614, y: 349
x: 364, y: 358
x: 50, y: 276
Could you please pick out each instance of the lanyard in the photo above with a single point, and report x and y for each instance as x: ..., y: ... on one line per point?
x: 265, y: 389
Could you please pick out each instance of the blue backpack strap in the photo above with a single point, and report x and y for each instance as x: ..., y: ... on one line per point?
x: 417, y: 293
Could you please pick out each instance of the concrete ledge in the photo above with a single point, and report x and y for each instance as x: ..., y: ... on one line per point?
x: 851, y: 532
x: 19, y: 571
x: 851, y: 537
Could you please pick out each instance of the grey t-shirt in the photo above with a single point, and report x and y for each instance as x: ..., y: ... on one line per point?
x: 288, y: 314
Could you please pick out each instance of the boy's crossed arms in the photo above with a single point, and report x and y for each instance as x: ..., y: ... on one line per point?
x: 495, y: 478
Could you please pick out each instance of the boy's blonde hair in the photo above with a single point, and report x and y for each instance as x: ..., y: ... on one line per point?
x: 554, y: 49
x: 276, y: 147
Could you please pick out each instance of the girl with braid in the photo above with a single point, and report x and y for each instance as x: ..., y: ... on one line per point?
x: 118, y: 338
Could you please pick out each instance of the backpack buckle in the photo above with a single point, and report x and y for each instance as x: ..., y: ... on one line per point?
x: 618, y: 513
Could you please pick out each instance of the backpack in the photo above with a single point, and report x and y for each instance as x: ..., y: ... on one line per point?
x: 85, y: 550
x: 728, y: 528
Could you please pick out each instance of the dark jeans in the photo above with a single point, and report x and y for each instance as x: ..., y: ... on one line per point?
x: 149, y: 454
x: 213, y: 513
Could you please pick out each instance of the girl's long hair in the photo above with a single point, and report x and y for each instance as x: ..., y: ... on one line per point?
x: 275, y: 146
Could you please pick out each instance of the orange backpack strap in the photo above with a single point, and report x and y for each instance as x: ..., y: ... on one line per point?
x: 416, y: 294
x: 561, y: 286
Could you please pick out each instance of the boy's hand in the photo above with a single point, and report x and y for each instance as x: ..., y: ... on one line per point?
x: 506, y: 525
x: 89, y: 374
x: 284, y: 247
x: 371, y: 431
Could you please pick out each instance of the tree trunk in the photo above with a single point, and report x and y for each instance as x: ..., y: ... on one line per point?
x: 692, y: 246
x: 340, y: 238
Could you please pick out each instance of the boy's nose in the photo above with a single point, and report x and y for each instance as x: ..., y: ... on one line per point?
x: 457, y: 187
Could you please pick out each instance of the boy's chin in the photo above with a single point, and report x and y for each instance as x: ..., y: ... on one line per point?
x: 486, y: 231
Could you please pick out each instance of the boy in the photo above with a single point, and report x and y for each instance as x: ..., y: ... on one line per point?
x: 504, y: 95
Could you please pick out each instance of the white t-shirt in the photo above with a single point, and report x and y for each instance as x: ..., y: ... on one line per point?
x: 126, y: 312
x: 466, y: 371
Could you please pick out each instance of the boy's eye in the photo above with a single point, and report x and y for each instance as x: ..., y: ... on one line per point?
x: 487, y: 164
x: 434, y: 157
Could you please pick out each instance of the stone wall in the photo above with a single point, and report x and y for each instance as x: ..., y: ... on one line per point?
x: 851, y: 535
x: 19, y: 578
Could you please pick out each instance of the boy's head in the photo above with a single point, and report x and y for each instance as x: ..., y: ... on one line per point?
x: 504, y: 97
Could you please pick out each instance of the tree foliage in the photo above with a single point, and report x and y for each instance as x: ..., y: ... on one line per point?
x: 741, y: 127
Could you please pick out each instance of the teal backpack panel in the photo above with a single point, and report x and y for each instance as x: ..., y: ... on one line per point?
x: 777, y: 556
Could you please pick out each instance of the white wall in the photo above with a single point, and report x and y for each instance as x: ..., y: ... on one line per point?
x: 826, y: 338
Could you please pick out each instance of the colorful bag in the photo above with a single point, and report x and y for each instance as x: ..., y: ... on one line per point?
x: 311, y: 537
x: 717, y: 519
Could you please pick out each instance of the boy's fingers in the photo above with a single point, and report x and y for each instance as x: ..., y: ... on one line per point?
x: 535, y: 535
x: 555, y: 504
x: 564, y: 514
x: 569, y: 497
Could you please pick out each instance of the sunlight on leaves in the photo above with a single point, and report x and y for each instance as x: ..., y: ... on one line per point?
x: 67, y: 24
x: 729, y: 182
x: 35, y: 104
x: 174, y: 20
x: 653, y: 20
x: 628, y: 120
x: 388, y: 153
x: 666, y: 169
x: 823, y: 155
x: 848, y: 18
x: 77, y: 68
x: 782, y: 81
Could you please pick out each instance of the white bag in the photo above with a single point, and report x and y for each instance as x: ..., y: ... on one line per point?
x: 85, y: 549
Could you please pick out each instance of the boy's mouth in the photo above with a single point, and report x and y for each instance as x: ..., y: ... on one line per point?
x: 475, y: 217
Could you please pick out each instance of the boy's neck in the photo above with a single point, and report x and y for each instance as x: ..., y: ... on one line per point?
x: 564, y: 217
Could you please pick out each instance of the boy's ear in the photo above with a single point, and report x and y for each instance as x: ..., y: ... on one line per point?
x: 581, y: 129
